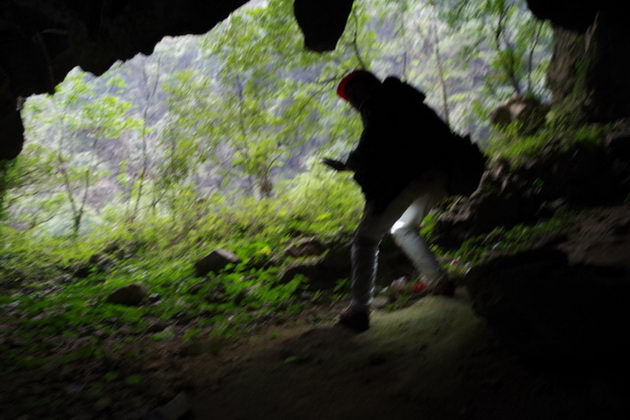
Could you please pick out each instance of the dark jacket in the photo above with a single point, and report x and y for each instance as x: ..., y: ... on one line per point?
x: 402, y: 139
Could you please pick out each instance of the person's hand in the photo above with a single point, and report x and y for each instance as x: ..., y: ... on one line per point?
x: 337, y: 165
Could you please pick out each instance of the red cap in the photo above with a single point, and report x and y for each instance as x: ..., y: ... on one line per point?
x: 341, y: 88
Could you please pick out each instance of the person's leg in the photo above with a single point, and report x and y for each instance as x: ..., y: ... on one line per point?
x: 364, y: 253
x: 364, y: 259
x: 405, y: 234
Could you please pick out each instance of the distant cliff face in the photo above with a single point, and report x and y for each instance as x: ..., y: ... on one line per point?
x: 41, y: 40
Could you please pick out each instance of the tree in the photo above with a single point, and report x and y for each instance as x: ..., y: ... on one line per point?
x: 78, y: 122
x: 514, y: 37
x: 256, y: 108
x: 150, y: 82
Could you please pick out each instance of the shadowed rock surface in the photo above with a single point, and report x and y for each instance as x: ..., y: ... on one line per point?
x: 215, y: 261
x: 434, y: 360
x: 130, y: 295
x: 580, y: 178
x: 554, y: 312
x: 544, y: 338
x: 322, y: 22
x: 563, y: 303
x: 41, y: 40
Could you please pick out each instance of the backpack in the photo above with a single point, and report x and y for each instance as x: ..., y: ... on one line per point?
x: 466, y: 165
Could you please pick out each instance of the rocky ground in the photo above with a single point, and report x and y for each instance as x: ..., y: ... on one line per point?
x: 533, y: 334
x: 433, y: 360
x: 536, y: 334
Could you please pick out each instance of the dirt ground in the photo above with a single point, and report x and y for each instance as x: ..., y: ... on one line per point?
x: 433, y: 360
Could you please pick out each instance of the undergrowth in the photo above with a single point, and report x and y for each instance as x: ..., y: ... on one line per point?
x: 510, y: 144
x: 44, y: 301
x: 480, y: 248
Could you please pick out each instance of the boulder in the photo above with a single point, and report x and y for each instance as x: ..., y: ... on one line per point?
x: 215, y: 261
x: 581, y: 177
x: 324, y: 271
x: 529, y: 112
x: 549, y: 310
x: 305, y: 247
x: 600, y: 238
x: 175, y: 409
x: 97, y: 263
x: 131, y: 295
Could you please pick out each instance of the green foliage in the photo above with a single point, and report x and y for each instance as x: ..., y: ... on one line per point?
x: 50, y: 299
x: 511, y: 36
x: 250, y: 117
x: 510, y: 144
x: 319, y: 203
x: 246, y: 111
x: 62, y: 161
x: 478, y: 249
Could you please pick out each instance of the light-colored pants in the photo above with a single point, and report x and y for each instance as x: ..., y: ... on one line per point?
x: 402, y: 219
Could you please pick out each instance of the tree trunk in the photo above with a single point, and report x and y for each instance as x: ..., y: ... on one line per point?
x: 441, y: 74
x: 76, y: 223
x: 265, y: 186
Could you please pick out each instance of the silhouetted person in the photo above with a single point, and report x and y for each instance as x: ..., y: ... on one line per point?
x: 406, y: 161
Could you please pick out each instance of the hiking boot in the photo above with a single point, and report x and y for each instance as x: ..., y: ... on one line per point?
x: 357, y: 320
x: 443, y: 288
x: 420, y: 289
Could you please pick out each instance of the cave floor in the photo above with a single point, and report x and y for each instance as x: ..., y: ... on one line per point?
x: 433, y: 360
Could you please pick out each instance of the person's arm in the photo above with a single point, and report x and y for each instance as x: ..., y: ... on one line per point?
x: 337, y: 165
x: 351, y: 164
x: 357, y: 158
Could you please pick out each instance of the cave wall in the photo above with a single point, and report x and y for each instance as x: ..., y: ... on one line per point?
x: 607, y: 68
x: 41, y: 40
x: 588, y: 73
x: 566, y: 71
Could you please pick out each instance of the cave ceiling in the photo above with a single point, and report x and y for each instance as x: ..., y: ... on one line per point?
x: 41, y: 40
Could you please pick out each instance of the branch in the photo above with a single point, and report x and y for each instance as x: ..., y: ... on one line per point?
x: 354, y: 43
x: 530, y: 63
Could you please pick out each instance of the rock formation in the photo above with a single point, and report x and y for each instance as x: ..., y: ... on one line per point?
x: 588, y: 71
x: 41, y: 40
